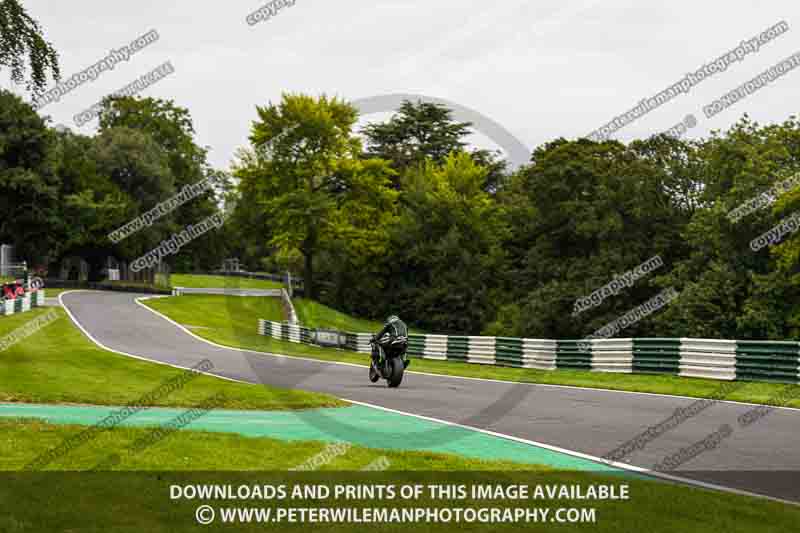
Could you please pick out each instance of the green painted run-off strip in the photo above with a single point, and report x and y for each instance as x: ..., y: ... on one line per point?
x: 373, y: 428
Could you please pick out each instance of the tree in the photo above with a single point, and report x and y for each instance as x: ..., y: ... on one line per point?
x: 580, y: 213
x: 29, y: 183
x: 92, y: 205
x: 20, y: 40
x: 418, y: 131
x: 314, y: 186
x: 171, y: 128
x: 134, y: 164
x: 423, y: 131
x: 727, y: 289
x: 447, y: 247
x: 249, y: 222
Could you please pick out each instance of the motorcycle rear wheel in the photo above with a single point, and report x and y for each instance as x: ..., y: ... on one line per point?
x: 397, y: 368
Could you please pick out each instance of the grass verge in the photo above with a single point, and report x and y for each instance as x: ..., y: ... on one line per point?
x: 185, y: 450
x: 53, y: 293
x: 316, y: 315
x: 196, y: 281
x: 313, y: 314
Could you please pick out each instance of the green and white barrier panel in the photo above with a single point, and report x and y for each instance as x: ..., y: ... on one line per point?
x: 428, y: 346
x: 708, y: 358
x: 661, y: 356
x: 539, y: 354
x: 612, y: 355
x: 359, y: 342
x: 455, y: 348
x: 285, y: 331
x: 21, y: 305
x: 768, y: 361
x: 695, y: 358
x: 571, y: 355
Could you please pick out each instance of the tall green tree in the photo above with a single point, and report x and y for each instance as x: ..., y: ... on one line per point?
x: 417, y: 131
x: 727, y: 289
x: 171, y: 128
x: 581, y: 213
x: 91, y: 204
x: 421, y: 131
x: 447, y: 247
x: 314, y: 186
x: 29, y: 182
x: 249, y: 221
x: 138, y: 167
x: 24, y: 50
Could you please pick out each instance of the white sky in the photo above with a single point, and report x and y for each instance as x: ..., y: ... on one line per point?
x: 541, y: 69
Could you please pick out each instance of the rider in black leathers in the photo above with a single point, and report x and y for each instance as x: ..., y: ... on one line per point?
x: 393, y: 339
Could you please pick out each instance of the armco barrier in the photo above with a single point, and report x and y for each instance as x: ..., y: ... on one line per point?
x: 428, y: 346
x: 767, y: 361
x: 267, y: 293
x: 657, y: 355
x: 285, y: 332
x: 569, y: 355
x: 612, y: 355
x: 358, y: 342
x: 695, y: 358
x: 708, y: 358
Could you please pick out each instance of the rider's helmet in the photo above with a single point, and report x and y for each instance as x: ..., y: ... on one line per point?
x: 393, y: 318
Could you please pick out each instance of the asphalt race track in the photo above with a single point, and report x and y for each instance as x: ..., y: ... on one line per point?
x: 762, y: 458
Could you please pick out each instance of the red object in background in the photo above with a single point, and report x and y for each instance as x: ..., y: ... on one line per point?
x: 20, y: 290
x: 8, y: 292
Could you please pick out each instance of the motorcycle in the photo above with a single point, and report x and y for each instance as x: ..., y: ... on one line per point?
x: 391, y: 367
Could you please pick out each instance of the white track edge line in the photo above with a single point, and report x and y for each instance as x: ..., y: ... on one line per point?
x: 103, y: 346
x: 581, y: 455
x: 231, y: 348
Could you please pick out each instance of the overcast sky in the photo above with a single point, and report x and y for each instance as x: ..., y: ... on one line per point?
x: 541, y: 69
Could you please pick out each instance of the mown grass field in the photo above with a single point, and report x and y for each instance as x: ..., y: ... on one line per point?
x: 194, y: 281
x: 233, y: 322
x: 58, y: 364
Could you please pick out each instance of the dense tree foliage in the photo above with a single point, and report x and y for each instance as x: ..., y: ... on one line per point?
x: 728, y: 289
x: 29, y: 184
x: 62, y: 193
x: 171, y: 129
x: 423, y: 132
x: 447, y: 247
x: 23, y: 49
x: 315, y: 187
x: 582, y: 213
x: 416, y: 225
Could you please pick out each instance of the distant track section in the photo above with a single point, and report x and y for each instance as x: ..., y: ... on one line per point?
x: 272, y: 293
